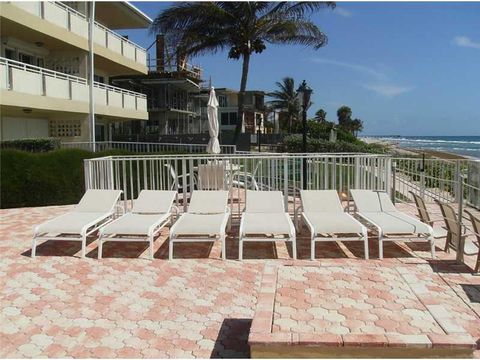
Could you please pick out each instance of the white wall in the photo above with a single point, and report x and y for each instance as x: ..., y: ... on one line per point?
x: 20, y: 128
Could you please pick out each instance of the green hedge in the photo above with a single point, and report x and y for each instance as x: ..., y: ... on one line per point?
x: 32, y: 145
x: 41, y: 179
x: 293, y: 144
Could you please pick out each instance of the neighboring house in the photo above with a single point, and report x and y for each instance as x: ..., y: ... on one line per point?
x: 254, y: 109
x: 44, y: 67
x: 172, y: 87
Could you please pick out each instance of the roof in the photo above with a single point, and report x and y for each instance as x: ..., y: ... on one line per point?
x: 121, y: 15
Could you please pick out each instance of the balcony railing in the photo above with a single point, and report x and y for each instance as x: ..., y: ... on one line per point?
x: 193, y: 71
x: 34, y: 80
x: 74, y: 21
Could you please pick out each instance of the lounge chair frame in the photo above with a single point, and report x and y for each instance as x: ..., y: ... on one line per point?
x: 152, y: 232
x: 87, y: 230
x: 290, y: 237
x: 221, y: 235
x: 384, y: 236
x: 363, y: 236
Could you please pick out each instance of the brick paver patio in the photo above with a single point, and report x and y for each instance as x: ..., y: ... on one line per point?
x: 59, y: 305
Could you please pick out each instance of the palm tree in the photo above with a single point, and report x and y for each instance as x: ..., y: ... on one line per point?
x: 285, y: 100
x: 244, y: 28
x: 321, y: 116
x: 356, y: 126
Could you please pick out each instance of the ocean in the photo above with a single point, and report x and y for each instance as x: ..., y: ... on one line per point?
x: 462, y: 145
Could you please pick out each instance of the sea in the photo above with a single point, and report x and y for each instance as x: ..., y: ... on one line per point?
x: 462, y: 145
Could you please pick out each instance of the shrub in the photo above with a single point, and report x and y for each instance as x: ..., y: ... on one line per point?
x: 40, y: 179
x: 32, y: 145
x: 293, y: 144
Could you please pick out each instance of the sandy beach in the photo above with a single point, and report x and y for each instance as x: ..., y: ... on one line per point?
x: 397, y: 150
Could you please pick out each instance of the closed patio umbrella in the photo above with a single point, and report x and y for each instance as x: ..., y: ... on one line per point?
x: 213, y: 146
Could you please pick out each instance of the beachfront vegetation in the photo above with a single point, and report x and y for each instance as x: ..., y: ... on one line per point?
x: 285, y: 101
x: 346, y: 123
x: 242, y: 28
x: 293, y: 144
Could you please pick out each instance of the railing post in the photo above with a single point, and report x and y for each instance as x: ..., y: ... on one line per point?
x: 285, y: 182
x: 457, y: 179
x: 357, y: 172
x: 422, y: 183
x: 393, y: 188
x: 461, y: 239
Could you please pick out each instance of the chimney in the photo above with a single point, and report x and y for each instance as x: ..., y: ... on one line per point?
x: 160, y: 53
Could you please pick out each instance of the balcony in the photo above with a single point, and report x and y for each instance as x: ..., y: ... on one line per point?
x: 65, y: 92
x: 76, y: 24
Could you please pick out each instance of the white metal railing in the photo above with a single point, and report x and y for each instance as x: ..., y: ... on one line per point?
x: 76, y: 22
x: 145, y: 147
x: 437, y: 179
x: 282, y: 172
x: 34, y: 80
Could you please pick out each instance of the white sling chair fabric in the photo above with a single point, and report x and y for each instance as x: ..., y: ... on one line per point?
x: 96, y: 208
x: 377, y: 209
x: 211, y: 177
x: 326, y: 219
x: 264, y: 218
x: 150, y: 213
x: 206, y: 220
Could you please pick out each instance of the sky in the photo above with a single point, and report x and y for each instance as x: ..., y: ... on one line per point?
x: 403, y: 68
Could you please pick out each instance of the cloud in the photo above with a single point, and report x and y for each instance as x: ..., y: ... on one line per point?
x: 464, y: 41
x: 388, y: 90
x: 356, y: 67
x: 379, y: 81
x: 342, y: 12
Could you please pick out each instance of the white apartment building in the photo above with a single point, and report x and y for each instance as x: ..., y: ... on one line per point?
x: 44, y: 68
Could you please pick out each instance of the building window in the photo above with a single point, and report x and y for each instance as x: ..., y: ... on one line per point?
x: 224, y: 118
x: 233, y: 118
x: 99, y: 79
x: 229, y: 118
x: 222, y: 101
x: 26, y: 59
x: 68, y: 128
x: 10, y: 54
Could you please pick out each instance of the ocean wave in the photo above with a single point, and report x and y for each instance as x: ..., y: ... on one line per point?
x: 432, y: 141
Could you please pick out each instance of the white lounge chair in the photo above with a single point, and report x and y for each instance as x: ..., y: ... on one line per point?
x: 206, y: 220
x: 96, y: 208
x: 150, y: 213
x: 265, y: 219
x: 323, y: 213
x: 391, y: 224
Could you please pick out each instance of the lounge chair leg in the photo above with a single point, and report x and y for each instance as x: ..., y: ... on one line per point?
x: 170, y: 250
x: 84, y: 246
x: 365, y: 245
x: 34, y: 247
x: 151, y: 248
x: 294, y: 247
x: 240, y: 249
x: 432, y: 247
x: 224, y: 251
x: 100, y: 247
x: 380, y: 248
x: 312, y: 250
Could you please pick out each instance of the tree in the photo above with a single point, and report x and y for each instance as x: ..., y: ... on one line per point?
x: 356, y: 126
x: 321, y: 116
x: 244, y: 28
x: 344, y: 114
x: 285, y: 100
